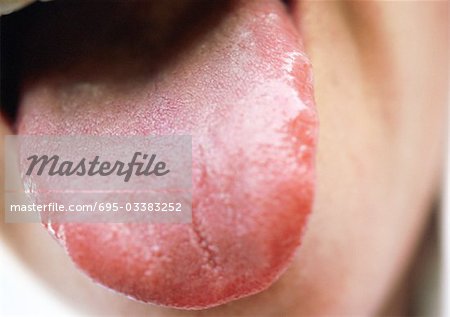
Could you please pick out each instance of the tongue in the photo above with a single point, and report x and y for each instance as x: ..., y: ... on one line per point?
x: 244, y: 93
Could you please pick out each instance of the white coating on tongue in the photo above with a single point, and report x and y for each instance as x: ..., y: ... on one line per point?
x: 245, y: 95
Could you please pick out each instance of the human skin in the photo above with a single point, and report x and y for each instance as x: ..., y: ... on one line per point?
x: 380, y: 89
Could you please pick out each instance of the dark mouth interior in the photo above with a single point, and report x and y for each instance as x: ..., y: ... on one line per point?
x: 113, y: 41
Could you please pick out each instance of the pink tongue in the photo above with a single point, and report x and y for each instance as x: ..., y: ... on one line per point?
x: 245, y: 95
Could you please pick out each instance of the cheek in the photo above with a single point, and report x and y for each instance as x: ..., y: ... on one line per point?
x: 375, y: 182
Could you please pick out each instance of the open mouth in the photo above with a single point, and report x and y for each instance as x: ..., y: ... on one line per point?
x: 234, y: 75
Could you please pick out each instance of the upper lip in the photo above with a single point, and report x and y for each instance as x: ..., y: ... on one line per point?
x: 10, y: 6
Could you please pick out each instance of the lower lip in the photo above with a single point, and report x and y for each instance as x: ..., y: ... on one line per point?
x: 245, y: 95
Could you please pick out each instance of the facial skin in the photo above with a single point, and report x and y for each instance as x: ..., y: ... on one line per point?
x: 380, y: 87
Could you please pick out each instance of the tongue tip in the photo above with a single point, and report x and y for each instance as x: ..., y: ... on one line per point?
x: 164, y: 264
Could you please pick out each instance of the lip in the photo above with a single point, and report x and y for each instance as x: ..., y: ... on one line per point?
x: 244, y: 92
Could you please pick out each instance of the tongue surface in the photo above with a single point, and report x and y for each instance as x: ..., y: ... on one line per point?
x: 245, y: 95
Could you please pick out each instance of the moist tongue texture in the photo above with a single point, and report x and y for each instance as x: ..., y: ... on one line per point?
x: 244, y: 92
